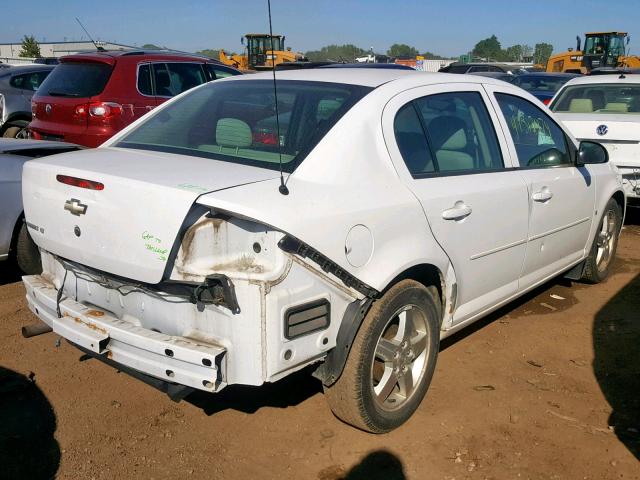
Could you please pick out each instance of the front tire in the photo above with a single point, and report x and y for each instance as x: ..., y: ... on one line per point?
x: 392, y: 360
x: 27, y: 253
x: 605, y: 243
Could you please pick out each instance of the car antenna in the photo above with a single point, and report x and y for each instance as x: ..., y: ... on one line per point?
x: 98, y: 47
x: 283, y: 185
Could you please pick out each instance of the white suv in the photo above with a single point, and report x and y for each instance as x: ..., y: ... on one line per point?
x: 410, y: 205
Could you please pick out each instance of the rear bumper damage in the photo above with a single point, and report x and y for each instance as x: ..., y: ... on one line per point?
x: 271, y: 331
x: 173, y: 358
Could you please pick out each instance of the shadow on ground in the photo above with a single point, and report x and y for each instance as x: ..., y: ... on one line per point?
x: 28, y: 449
x: 9, y: 272
x: 616, y: 341
x: 377, y: 465
x: 290, y: 391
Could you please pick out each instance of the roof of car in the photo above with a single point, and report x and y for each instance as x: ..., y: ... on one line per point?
x: 549, y: 74
x: 368, y: 77
x: 599, y: 79
x: 112, y: 54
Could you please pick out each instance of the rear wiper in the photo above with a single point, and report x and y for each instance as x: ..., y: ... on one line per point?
x: 53, y: 93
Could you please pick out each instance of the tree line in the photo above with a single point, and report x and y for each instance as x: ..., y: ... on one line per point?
x: 488, y: 49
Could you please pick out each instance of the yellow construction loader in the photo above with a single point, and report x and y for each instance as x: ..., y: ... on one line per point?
x: 259, y: 54
x: 601, y: 49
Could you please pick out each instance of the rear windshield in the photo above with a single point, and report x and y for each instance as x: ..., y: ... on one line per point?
x: 603, y: 98
x: 235, y: 121
x: 76, y: 80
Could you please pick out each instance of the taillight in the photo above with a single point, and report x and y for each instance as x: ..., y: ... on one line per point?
x: 265, y: 138
x: 105, y: 109
x: 546, y: 101
x: 34, y: 109
x: 80, y: 182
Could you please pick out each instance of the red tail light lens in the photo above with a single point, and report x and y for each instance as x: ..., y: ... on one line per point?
x: 80, y: 182
x: 105, y: 110
x: 546, y: 101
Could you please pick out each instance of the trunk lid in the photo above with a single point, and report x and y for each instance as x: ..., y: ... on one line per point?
x: 619, y: 134
x: 128, y: 228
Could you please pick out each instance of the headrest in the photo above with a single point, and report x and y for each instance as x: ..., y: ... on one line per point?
x: 581, y: 105
x: 327, y: 107
x: 617, y: 107
x: 448, y: 133
x: 231, y: 132
x: 162, y: 79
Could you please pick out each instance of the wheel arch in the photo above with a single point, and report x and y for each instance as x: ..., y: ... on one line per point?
x: 14, y: 235
x: 16, y: 119
x: 621, y: 200
x: 427, y: 274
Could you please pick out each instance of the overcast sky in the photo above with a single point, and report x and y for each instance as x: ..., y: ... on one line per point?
x: 447, y: 27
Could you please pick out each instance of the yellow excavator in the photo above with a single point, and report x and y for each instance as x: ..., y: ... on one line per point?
x: 601, y: 49
x: 260, y: 55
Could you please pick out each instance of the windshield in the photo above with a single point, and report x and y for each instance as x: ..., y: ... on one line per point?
x: 76, y: 80
x: 603, y: 98
x: 235, y: 121
x: 539, y: 83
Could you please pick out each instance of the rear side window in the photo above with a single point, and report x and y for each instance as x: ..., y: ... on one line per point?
x: 73, y: 79
x: 412, y: 141
x: 144, y: 79
x: 235, y: 121
x: 458, y: 131
x: 538, y: 140
x: 28, y: 81
x: 172, y: 79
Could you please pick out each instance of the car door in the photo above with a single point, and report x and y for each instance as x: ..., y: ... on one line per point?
x: 561, y: 195
x: 443, y: 142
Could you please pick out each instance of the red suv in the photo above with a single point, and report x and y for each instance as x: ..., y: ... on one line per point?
x: 91, y: 96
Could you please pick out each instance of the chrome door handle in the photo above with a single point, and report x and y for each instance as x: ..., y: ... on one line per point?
x: 457, y: 212
x: 543, y: 195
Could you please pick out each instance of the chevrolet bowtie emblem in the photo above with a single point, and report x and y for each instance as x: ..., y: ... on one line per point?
x: 75, y: 207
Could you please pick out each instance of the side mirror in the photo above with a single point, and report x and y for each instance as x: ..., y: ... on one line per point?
x: 591, y: 153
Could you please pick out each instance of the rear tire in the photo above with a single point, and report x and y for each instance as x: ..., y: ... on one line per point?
x: 27, y: 253
x: 15, y: 132
x: 605, y: 243
x: 392, y: 360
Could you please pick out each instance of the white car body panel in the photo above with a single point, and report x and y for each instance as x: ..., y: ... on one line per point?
x: 622, y: 135
x: 352, y: 200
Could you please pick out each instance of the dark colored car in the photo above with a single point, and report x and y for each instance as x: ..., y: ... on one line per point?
x: 91, y: 96
x: 541, y: 85
x: 458, y: 67
x: 505, y: 77
x: 17, y: 86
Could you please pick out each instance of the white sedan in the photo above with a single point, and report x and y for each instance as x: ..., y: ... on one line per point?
x: 606, y: 108
x: 224, y: 239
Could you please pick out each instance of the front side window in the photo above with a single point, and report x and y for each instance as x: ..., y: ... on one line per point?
x: 599, y: 99
x: 538, y: 140
x: 235, y: 121
x: 217, y: 71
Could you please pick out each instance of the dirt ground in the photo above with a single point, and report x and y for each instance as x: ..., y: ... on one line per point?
x: 547, y: 388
